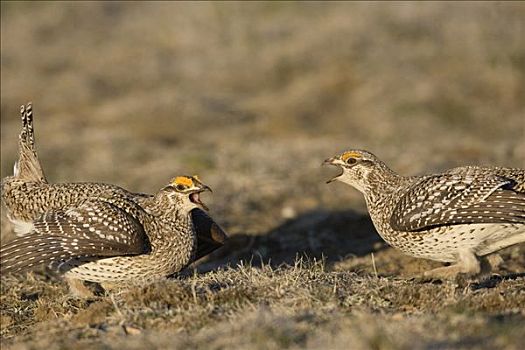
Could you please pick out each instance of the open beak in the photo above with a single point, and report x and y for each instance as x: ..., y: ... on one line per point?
x: 195, y: 196
x: 335, y: 162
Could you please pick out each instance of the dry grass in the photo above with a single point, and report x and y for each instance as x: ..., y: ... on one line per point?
x: 253, y: 97
x: 304, y: 305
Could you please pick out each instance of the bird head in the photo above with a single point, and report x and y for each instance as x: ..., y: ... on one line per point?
x: 185, y: 191
x: 356, y: 166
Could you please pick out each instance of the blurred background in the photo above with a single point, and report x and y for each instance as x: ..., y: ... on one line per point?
x: 254, y: 96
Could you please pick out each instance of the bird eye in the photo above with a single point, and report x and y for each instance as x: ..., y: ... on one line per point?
x: 180, y: 187
x: 351, y: 160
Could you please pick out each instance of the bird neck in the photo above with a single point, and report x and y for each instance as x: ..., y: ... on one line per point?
x: 160, y: 205
x: 171, y: 233
x: 381, y: 183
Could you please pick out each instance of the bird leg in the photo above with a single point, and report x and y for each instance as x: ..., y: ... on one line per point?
x: 467, y: 263
x: 490, y: 263
x: 78, y: 289
x: 109, y: 286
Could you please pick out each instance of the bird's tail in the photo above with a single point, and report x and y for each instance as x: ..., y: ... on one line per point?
x: 28, y: 167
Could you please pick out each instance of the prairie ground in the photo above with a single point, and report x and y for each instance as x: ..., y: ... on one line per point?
x: 253, y: 97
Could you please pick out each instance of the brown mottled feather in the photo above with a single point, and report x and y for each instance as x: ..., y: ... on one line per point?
x: 458, y: 198
x: 95, y: 220
x: 93, y: 229
x: 25, y: 253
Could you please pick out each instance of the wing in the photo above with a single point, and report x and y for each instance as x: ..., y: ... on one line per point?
x: 459, y: 198
x: 210, y: 236
x: 94, y: 229
x: 515, y: 174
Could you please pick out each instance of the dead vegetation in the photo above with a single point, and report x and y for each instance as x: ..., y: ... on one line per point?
x: 304, y: 305
x: 253, y: 97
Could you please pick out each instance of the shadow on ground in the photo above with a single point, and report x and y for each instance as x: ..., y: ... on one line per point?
x: 336, y: 236
x: 494, y: 280
x: 331, y: 235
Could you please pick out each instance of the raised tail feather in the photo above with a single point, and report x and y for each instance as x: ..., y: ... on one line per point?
x: 28, y: 166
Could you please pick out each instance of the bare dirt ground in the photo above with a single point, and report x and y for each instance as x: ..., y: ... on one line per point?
x: 252, y: 97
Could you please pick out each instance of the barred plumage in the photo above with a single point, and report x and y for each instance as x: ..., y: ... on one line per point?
x: 28, y: 167
x: 466, y: 198
x: 457, y: 216
x: 100, y: 232
x: 34, y: 249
